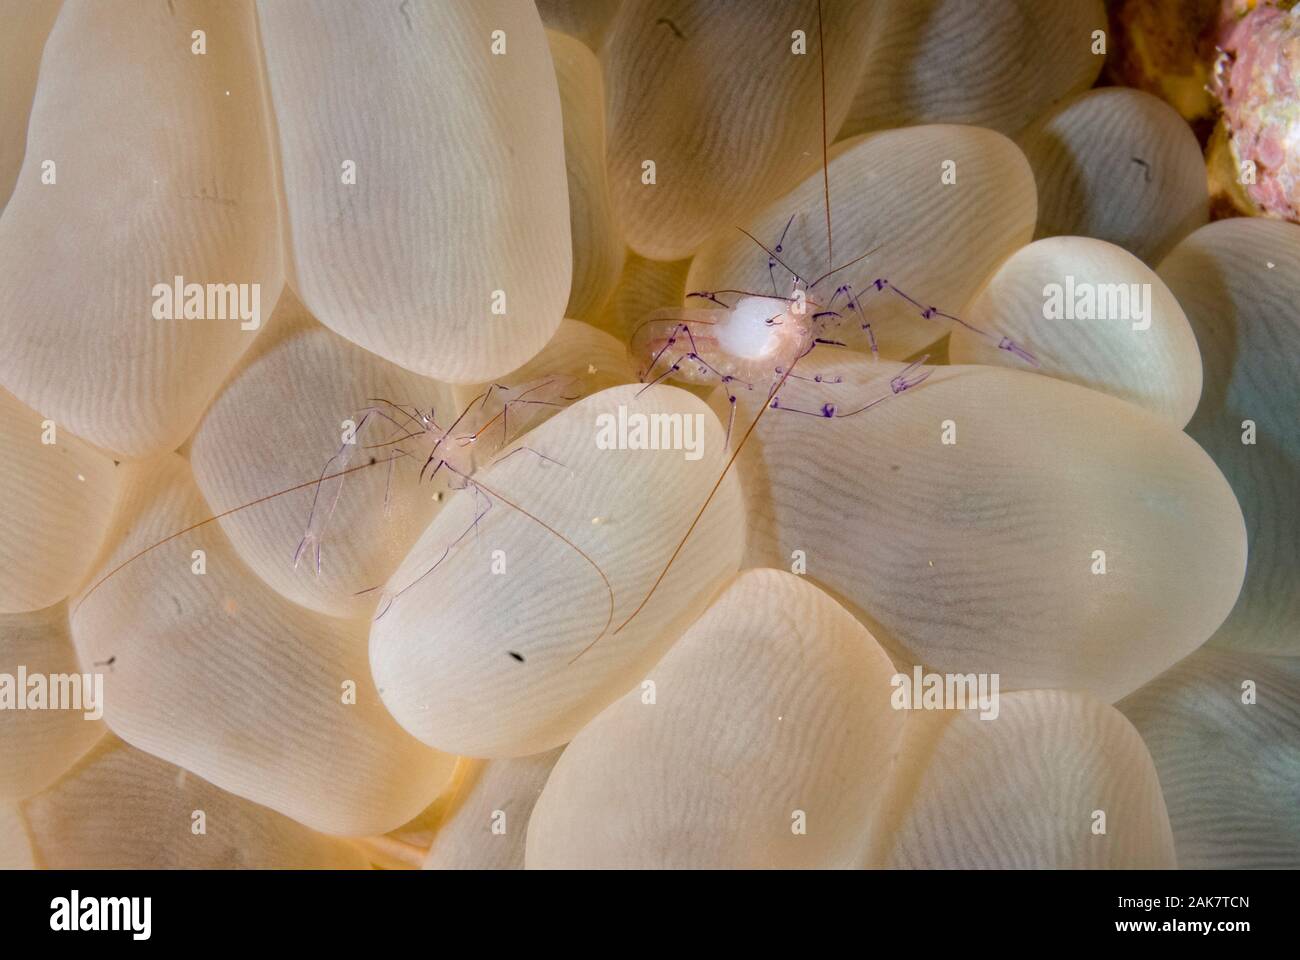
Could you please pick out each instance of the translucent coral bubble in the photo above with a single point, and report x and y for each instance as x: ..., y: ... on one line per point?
x: 1053, y: 780
x: 481, y: 648
x: 279, y: 422
x: 644, y: 286
x: 487, y: 828
x: 1224, y: 730
x: 597, y: 240
x: 1117, y: 165
x: 582, y: 358
x: 994, y: 65
x: 724, y: 102
x: 940, y: 206
x: 1093, y: 314
x: 586, y: 20
x: 216, y: 672
x: 997, y: 521
x: 158, y: 174
x: 27, y: 24
x: 121, y: 808
x: 1237, y: 280
x: 56, y: 497
x: 423, y: 155
x: 37, y: 745
x: 15, y: 845
x: 764, y: 739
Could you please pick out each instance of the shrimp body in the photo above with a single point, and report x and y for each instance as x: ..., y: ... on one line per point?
x: 744, y: 343
x: 457, y: 448
x: 758, y: 330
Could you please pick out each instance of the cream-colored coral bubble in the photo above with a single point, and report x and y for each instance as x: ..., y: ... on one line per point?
x: 1237, y: 280
x: 643, y: 286
x: 27, y: 24
x: 967, y: 521
x: 56, y: 496
x: 597, y: 240
x: 765, y: 738
x: 1118, y: 165
x: 1093, y: 314
x: 1224, y: 729
x: 935, y: 240
x: 1053, y: 780
x: 15, y: 845
x: 38, y: 745
x: 489, y: 825
x: 284, y: 414
x: 423, y: 162
x: 218, y: 673
x: 714, y: 108
x: 479, y: 645
x: 586, y: 20
x: 580, y: 360
x: 994, y: 65
x: 159, y: 173
x: 121, y: 808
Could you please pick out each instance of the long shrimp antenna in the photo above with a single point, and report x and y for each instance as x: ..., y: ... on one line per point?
x: 707, y: 500
x: 844, y: 266
x: 826, y: 172
x: 831, y: 269
x: 225, y: 513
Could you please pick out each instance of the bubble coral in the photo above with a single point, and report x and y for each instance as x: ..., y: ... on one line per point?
x: 566, y: 652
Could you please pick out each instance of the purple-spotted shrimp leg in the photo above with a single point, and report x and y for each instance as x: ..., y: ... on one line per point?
x: 929, y: 313
x: 904, y: 380
x: 771, y: 261
x: 694, y: 355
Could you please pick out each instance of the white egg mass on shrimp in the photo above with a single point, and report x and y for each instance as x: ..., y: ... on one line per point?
x: 761, y: 328
x: 752, y: 341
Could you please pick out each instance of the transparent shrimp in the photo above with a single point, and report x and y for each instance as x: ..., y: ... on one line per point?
x: 755, y: 339
x: 752, y: 338
x: 328, y: 490
x: 453, y: 452
x: 390, y: 434
x: 401, y: 433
